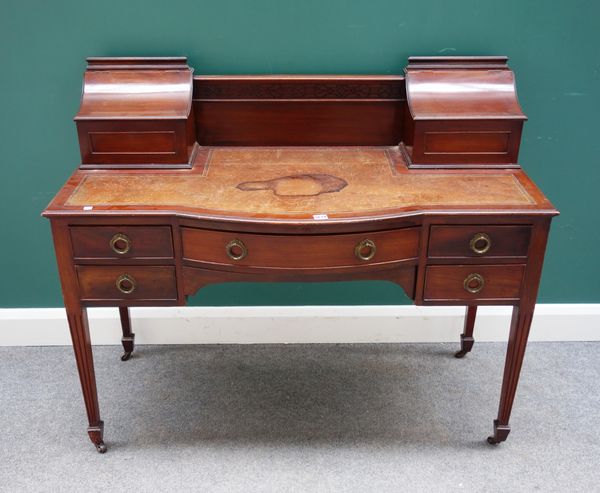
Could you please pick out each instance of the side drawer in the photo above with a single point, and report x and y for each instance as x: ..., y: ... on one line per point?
x: 299, y: 251
x: 479, y: 241
x: 473, y: 282
x: 127, y: 282
x: 122, y: 242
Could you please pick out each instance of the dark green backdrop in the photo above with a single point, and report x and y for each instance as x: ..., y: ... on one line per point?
x: 554, y: 47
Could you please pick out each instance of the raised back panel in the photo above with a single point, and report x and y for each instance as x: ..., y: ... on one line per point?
x: 299, y: 110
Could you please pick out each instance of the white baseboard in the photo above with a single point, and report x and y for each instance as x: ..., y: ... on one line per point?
x: 302, y: 324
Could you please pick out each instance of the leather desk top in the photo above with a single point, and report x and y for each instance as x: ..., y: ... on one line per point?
x: 298, y: 183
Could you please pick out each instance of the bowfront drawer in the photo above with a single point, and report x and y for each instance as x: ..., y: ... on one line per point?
x: 127, y: 282
x: 122, y: 242
x: 471, y: 282
x: 297, y: 252
x: 479, y: 241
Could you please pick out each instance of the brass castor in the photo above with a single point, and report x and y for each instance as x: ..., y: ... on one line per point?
x: 101, y: 448
x: 500, y: 433
x: 125, y: 356
x: 460, y: 354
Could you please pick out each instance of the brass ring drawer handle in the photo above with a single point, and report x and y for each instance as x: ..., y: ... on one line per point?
x: 126, y: 284
x: 365, y: 250
x: 120, y: 243
x: 236, y: 250
x: 473, y: 283
x: 480, y: 243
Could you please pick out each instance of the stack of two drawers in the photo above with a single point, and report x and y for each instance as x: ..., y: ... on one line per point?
x: 476, y: 264
x: 124, y: 264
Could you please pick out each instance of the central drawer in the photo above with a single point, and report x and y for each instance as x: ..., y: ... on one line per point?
x: 299, y: 251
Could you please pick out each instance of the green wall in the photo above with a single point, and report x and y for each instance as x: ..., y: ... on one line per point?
x: 554, y: 47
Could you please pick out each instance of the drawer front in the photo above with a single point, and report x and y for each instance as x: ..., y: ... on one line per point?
x: 479, y: 241
x: 126, y: 282
x: 473, y: 282
x: 122, y: 241
x: 296, y: 252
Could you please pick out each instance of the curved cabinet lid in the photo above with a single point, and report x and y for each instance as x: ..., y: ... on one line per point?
x: 136, y: 89
x: 461, y: 88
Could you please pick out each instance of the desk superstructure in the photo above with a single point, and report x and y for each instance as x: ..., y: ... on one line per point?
x: 191, y: 180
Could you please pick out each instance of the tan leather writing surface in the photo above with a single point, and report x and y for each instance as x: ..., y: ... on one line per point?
x: 299, y: 181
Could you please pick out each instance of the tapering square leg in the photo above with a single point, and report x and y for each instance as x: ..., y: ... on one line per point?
x: 466, y: 338
x: 517, y: 341
x: 128, y: 338
x: 520, y: 325
x: 80, y: 334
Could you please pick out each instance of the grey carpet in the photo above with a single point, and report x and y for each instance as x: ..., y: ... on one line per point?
x: 301, y: 418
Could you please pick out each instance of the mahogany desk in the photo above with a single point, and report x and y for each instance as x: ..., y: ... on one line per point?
x: 187, y: 181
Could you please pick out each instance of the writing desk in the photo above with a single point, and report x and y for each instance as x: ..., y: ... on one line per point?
x: 298, y: 178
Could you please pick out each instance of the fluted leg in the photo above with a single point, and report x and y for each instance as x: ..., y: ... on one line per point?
x: 519, y: 331
x: 80, y: 334
x: 520, y: 324
x: 128, y: 337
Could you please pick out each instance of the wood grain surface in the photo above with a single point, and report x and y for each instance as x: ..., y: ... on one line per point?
x: 500, y: 282
x: 153, y: 283
x: 143, y: 242
x: 297, y: 252
x: 357, y: 210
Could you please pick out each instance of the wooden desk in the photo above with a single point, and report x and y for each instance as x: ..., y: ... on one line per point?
x: 254, y: 205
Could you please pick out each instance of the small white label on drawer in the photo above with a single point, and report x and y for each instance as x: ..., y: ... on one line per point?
x: 320, y: 217
x: 88, y: 207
